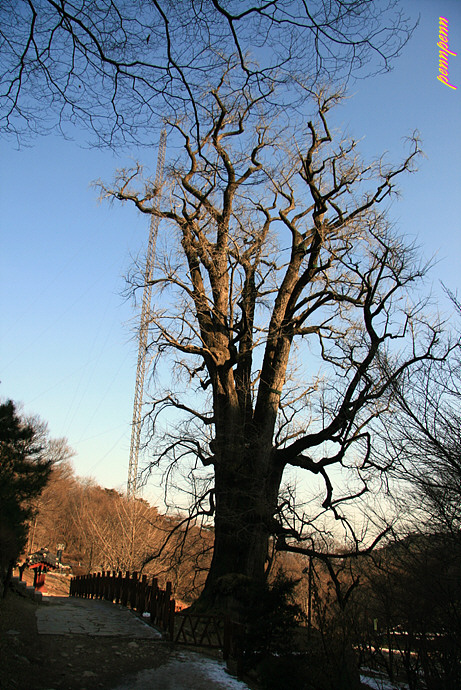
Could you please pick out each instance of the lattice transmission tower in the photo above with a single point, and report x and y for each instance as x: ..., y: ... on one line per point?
x: 144, y: 328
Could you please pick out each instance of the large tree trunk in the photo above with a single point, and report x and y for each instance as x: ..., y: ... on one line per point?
x: 246, y: 499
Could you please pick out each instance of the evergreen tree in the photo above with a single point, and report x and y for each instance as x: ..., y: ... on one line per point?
x: 24, y: 470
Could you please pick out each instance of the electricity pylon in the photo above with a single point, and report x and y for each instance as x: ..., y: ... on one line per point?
x: 131, y: 486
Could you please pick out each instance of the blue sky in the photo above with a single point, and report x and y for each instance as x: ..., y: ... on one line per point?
x: 67, y: 351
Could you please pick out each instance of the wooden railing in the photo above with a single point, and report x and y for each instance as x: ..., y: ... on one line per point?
x: 144, y: 596
x: 213, y: 632
x: 129, y: 590
x: 201, y: 630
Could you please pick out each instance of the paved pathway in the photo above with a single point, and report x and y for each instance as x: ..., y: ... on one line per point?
x: 184, y: 669
x: 75, y: 616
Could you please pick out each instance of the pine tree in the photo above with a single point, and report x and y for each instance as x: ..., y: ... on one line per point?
x: 24, y: 470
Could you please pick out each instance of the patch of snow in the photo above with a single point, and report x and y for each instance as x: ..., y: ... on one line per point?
x: 186, y: 670
x: 381, y: 683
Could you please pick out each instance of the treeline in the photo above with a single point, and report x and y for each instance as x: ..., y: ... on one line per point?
x: 102, y: 530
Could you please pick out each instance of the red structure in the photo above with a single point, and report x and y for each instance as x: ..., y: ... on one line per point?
x: 41, y: 562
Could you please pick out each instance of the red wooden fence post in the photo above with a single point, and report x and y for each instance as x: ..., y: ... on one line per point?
x: 141, y: 603
x: 107, y: 586
x: 118, y: 588
x: 153, y: 600
x: 133, y: 587
x: 166, y: 607
x: 111, y: 592
x: 147, y: 595
x: 171, y: 619
x: 98, y: 586
x: 125, y: 586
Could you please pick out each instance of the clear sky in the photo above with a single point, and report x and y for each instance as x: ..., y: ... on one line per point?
x: 67, y: 351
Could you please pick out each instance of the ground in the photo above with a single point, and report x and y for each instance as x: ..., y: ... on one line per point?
x: 34, y: 661
x: 80, y: 662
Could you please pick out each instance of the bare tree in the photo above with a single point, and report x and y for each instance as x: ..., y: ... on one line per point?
x: 422, y: 439
x: 408, y: 607
x: 117, y: 66
x: 276, y: 256
x: 102, y: 529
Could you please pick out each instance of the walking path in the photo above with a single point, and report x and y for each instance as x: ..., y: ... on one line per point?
x: 92, y: 618
x: 73, y: 616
